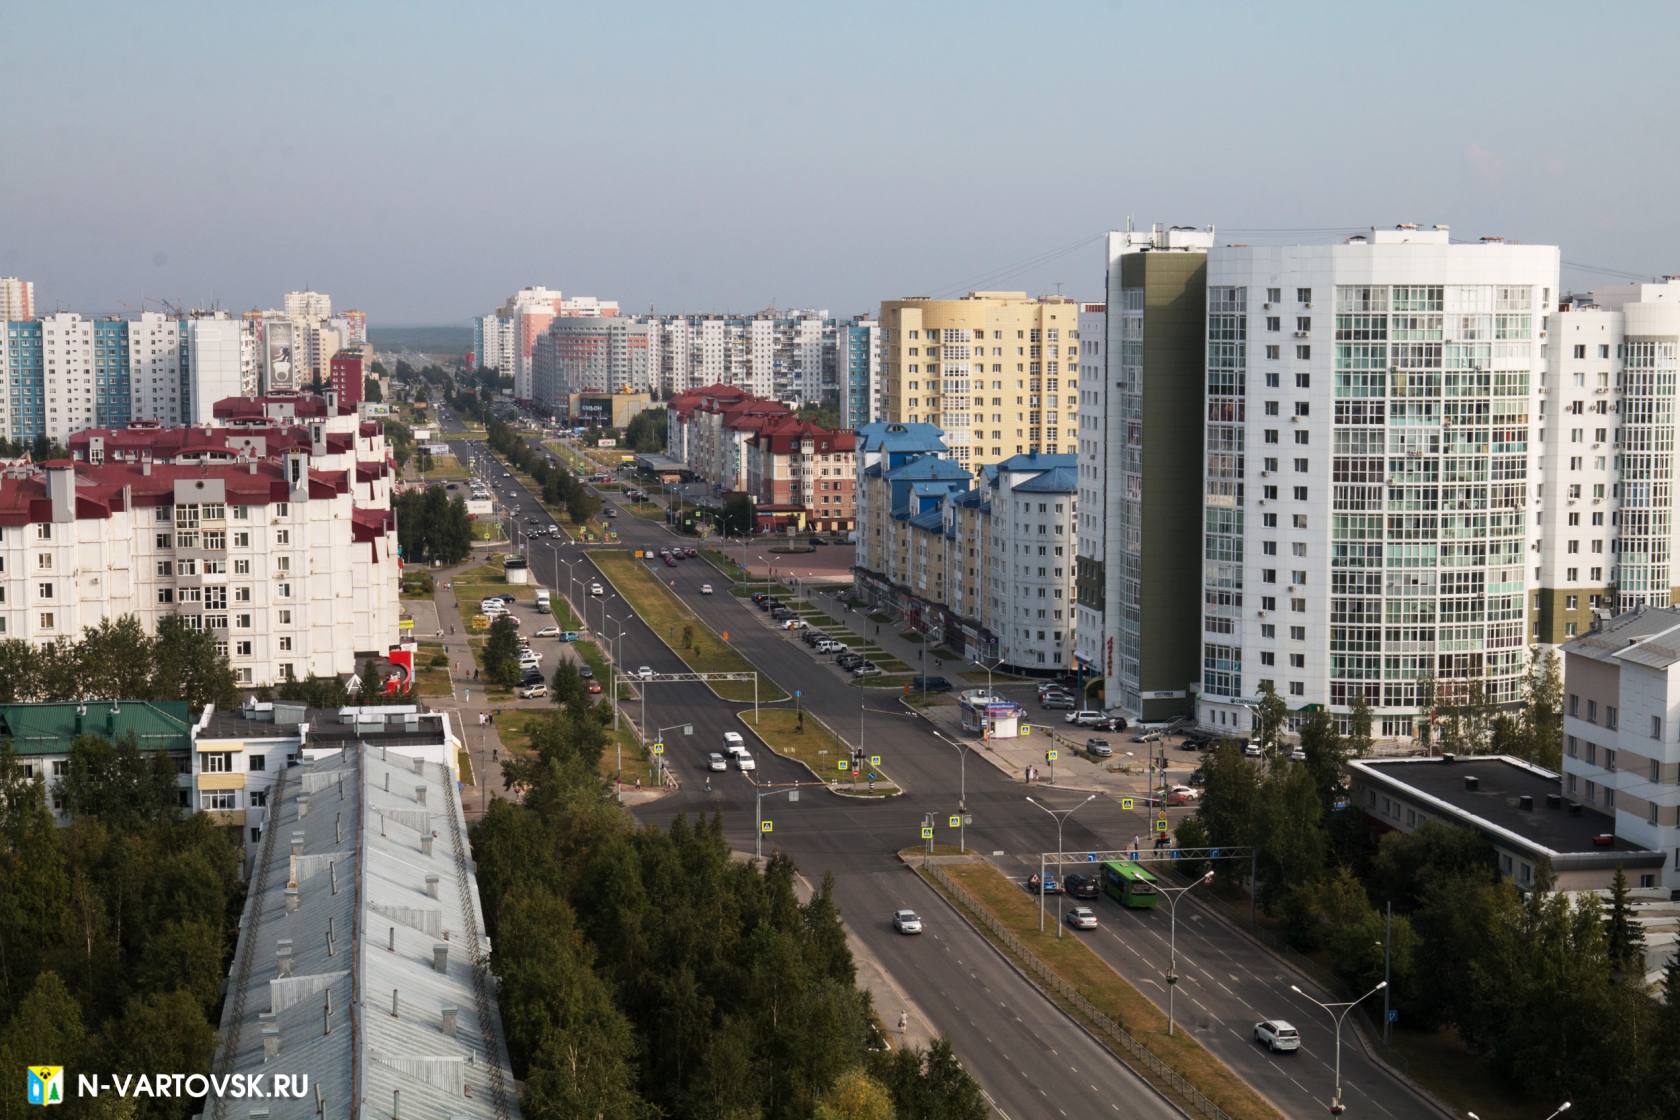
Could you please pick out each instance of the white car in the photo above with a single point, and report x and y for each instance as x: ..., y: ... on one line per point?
x: 597, y: 589
x: 744, y: 761
x: 907, y: 921
x: 533, y: 692
x: 1082, y: 917
x: 492, y: 606
x: 794, y: 624
x: 529, y: 659
x: 1277, y: 1036
x: 547, y: 632
x: 1296, y: 754
x: 644, y: 673
x: 733, y: 744
x: 1253, y: 750
x: 716, y: 761
x: 705, y: 589
x: 1088, y: 716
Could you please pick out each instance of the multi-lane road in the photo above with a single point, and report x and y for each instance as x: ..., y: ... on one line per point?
x: 1030, y: 1059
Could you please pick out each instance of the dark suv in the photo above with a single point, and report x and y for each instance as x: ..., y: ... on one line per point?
x: 930, y: 684
x: 1080, y: 886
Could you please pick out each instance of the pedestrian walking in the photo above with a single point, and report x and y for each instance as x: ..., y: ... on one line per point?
x: 903, y: 1022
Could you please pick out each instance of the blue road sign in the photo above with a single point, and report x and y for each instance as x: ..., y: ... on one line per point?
x: 872, y: 776
x: 1394, y: 1014
x: 797, y: 693
x: 1175, y: 853
x: 1090, y: 857
x: 1213, y: 853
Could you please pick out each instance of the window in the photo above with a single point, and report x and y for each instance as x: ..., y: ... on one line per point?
x: 1574, y: 704
x: 218, y: 762
x: 47, y: 621
x: 1303, y: 295
x: 257, y: 762
x: 44, y: 590
x: 220, y: 800
x: 1592, y: 711
x: 43, y: 531
x: 43, y: 561
x: 1610, y: 716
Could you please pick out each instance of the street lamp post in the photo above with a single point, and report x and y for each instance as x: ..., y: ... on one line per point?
x: 613, y: 663
x: 1560, y: 1110
x: 659, y: 739
x: 1338, y: 1012
x: 962, y: 750
x: 1061, y: 816
x: 988, y: 668
x: 758, y: 813
x: 1173, y: 895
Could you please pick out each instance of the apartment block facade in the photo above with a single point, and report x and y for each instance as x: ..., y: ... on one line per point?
x: 997, y: 372
x: 1622, y: 730
x: 707, y: 431
x: 506, y: 339
x: 857, y: 364
x: 786, y: 355
x: 17, y: 299
x: 1368, y: 480
x: 802, y: 475
x: 589, y: 355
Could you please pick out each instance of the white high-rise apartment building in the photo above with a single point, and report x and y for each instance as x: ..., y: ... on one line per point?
x: 17, y: 299
x: 1368, y: 480
x: 504, y: 340
x: 1607, y: 458
x: 310, y: 306
x: 777, y: 355
x: 216, y: 358
x: 1091, y: 523
x: 157, y: 389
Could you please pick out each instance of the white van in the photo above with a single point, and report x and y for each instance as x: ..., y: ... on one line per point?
x: 733, y: 744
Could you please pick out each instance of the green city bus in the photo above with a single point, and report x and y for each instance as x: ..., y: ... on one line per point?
x: 1129, y: 884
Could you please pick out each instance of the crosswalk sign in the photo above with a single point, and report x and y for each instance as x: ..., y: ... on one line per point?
x: 927, y: 833
x: 955, y: 821
x: 1050, y: 755
x: 1161, y: 824
x: 767, y: 826
x: 1127, y: 803
x: 874, y: 760
x: 658, y: 747
x: 843, y: 765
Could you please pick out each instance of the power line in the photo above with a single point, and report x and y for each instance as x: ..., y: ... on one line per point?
x: 1006, y: 271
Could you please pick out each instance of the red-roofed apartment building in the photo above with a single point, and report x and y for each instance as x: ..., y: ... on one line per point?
x: 802, y: 475
x: 274, y: 533
x: 707, y: 431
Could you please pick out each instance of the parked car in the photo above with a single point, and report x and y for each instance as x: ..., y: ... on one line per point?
x: 1150, y: 736
x: 1099, y: 748
x: 716, y: 761
x: 907, y: 921
x: 1080, y: 886
x: 547, y: 632
x: 867, y: 669
x: 705, y: 589
x: 758, y: 597
x: 744, y: 761
x: 1296, y: 754
x: 533, y: 692
x: 1252, y: 750
x: 585, y: 672
x: 645, y: 673
x: 1277, y: 1036
x: 569, y: 636
x: 1085, y: 717
x: 593, y: 688
x: 1082, y: 917
x: 795, y: 624
x: 1183, y: 795
x: 1058, y: 701
x: 811, y: 637
x: 929, y: 684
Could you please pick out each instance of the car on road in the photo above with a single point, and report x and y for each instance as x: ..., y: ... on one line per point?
x: 907, y: 921
x: 705, y: 589
x: 733, y: 744
x: 1183, y: 795
x: 597, y: 589
x: 1197, y: 778
x: 1047, y: 885
x: 669, y: 563
x: 1057, y: 700
x: 716, y: 761
x: 1099, y: 748
x: 744, y: 761
x: 1080, y: 886
x: 1252, y: 750
x: 645, y: 673
x: 1277, y: 1036
x: 533, y: 691
x: 547, y: 632
x: 1147, y: 736
x: 1085, y: 717
x: 585, y: 672
x: 569, y: 635
x: 1081, y: 917
x: 593, y: 688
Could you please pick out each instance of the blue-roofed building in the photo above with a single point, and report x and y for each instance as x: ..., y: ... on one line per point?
x: 982, y: 566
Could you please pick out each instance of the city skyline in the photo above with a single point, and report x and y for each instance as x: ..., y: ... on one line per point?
x: 374, y: 169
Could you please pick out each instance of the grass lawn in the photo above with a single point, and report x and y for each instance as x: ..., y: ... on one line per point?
x: 1088, y: 973
x: 1441, y: 1064
x: 494, y: 691
x: 647, y: 510
x: 432, y: 681
x: 669, y: 617
x: 488, y: 529
x: 444, y: 467
x: 816, y: 746
x: 724, y: 564
x: 464, y: 761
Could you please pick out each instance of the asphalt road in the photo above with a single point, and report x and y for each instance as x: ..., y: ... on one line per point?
x: 1227, y: 981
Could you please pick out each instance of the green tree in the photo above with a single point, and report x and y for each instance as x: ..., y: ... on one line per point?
x: 186, y: 954
x: 316, y: 692
x: 566, y: 686
x: 116, y: 660
x: 1407, y: 864
x: 372, y: 391
x: 45, y: 1026
x: 501, y: 653
x: 855, y: 1096
x: 161, y: 1031
x: 118, y: 783
x: 1326, y: 753
x: 1291, y: 821
x: 1270, y: 720
x: 187, y: 666
x: 1623, y: 933
x: 647, y: 431
x: 737, y: 518
x: 1542, y: 713
x: 1359, y: 740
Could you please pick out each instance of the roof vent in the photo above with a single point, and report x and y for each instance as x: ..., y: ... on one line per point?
x: 1554, y: 801
x: 1472, y: 783
x: 431, y: 886
x: 1574, y: 808
x: 1449, y: 758
x: 449, y: 1016
x: 440, y: 957
x: 1526, y: 803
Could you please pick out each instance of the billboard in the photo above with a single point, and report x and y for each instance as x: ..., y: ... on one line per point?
x: 280, y: 360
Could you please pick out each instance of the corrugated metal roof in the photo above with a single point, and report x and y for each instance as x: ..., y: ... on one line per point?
x: 373, y: 847
x: 1648, y: 636
x: 157, y: 725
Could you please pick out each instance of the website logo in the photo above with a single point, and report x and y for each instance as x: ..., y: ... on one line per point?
x: 46, y: 1085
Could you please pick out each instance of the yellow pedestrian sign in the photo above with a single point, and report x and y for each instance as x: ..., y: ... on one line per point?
x: 927, y: 833
x: 874, y: 760
x: 767, y: 826
x: 955, y: 822
x: 1127, y: 803
x: 843, y: 765
x: 1161, y: 824
x: 658, y: 746
x: 1050, y: 755
x: 1025, y: 729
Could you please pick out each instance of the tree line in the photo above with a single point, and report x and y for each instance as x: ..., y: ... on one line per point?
x: 560, y: 487
x: 118, y: 660
x: 645, y: 973
x: 1548, y: 989
x: 432, y: 527
x: 647, y: 431
x: 115, y: 932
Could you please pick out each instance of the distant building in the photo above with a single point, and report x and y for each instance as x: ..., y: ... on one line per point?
x: 604, y: 409
x: 348, y: 372
x: 707, y: 431
x: 997, y: 372
x: 363, y: 961
x: 801, y: 476
x: 17, y: 299
x: 857, y: 363
x: 784, y: 355
x: 308, y: 305
x: 589, y: 355
x: 506, y: 339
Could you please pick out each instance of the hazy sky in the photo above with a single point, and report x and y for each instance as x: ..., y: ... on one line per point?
x: 421, y: 161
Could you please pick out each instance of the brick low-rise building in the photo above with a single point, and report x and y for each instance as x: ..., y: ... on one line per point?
x: 802, y: 475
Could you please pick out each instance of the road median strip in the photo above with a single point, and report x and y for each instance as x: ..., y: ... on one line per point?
x: 1088, y: 989
x: 669, y: 618
x: 813, y: 744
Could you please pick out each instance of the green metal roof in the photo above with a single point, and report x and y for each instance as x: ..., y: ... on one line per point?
x: 157, y: 725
